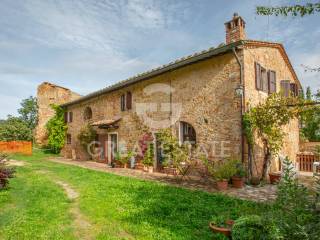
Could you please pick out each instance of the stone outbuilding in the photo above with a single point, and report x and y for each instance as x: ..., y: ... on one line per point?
x: 201, y: 97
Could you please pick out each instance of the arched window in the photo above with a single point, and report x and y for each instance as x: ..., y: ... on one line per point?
x: 87, y: 113
x: 187, y: 133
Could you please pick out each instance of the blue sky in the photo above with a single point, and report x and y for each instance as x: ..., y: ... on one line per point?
x: 86, y: 45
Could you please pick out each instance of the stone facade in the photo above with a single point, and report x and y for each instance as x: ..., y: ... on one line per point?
x: 272, y: 59
x: 48, y: 94
x: 201, y: 93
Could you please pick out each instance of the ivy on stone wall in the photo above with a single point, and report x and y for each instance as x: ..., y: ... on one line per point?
x: 56, y: 130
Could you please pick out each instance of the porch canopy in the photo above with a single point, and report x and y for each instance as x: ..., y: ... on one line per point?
x: 107, y: 123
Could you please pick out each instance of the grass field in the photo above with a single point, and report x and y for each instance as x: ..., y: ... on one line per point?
x: 108, y: 206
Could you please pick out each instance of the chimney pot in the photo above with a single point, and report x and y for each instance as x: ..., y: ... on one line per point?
x: 235, y: 29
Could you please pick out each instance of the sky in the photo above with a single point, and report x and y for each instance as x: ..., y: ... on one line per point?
x: 86, y: 45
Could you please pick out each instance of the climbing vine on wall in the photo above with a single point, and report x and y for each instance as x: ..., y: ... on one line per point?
x: 265, y: 121
x: 56, y: 130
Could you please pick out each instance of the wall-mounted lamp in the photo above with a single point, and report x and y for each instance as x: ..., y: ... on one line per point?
x: 239, y: 90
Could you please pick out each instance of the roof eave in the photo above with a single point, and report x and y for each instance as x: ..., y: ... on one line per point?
x: 166, y: 68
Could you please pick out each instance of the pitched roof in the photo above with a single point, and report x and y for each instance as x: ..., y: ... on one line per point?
x: 181, y: 62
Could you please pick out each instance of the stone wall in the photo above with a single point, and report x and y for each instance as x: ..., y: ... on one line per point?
x: 201, y: 94
x: 48, y: 94
x: 271, y: 59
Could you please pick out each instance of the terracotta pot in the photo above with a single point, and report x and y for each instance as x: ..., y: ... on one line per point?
x: 255, y: 181
x: 150, y: 169
x: 222, y: 230
x: 237, y: 182
x: 274, y: 177
x: 222, y: 185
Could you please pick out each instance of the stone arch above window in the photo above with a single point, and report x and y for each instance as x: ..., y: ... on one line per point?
x: 87, y: 115
x: 187, y: 133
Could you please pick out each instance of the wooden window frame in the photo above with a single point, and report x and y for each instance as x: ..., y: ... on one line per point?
x: 70, y: 117
x: 183, y: 129
x: 272, y: 82
x: 129, y: 100
x: 123, y: 102
x: 87, y: 116
x: 69, y: 139
x: 285, y: 87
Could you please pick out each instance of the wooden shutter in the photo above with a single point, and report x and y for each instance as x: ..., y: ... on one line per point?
x: 285, y: 87
x: 65, y: 117
x: 264, y: 80
x: 123, y: 104
x: 258, y: 76
x: 69, y: 139
x: 129, y: 100
x: 294, y: 89
x: 272, y: 80
x: 70, y: 116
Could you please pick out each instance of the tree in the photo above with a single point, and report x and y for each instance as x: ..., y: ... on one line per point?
x: 310, y: 117
x: 56, y: 129
x: 294, y: 10
x: 308, y: 94
x: 15, y: 129
x: 29, y: 112
x: 266, y: 121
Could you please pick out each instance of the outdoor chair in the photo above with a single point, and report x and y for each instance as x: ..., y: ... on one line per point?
x: 316, y: 169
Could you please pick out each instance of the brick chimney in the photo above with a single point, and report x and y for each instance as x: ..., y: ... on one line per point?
x: 235, y: 29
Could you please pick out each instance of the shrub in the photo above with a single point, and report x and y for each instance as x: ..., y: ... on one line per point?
x: 86, y: 136
x: 148, y: 156
x: 15, y: 129
x: 222, y: 170
x: 174, y: 154
x: 56, y: 130
x: 5, y: 172
x: 295, y: 211
x: 124, y: 159
x: 240, y: 171
x: 253, y: 227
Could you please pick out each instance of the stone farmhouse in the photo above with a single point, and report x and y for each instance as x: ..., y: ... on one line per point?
x: 201, y: 97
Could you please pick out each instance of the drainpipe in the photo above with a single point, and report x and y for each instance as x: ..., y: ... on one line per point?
x: 242, y: 102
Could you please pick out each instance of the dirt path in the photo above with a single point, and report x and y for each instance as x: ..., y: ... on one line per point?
x: 81, y: 225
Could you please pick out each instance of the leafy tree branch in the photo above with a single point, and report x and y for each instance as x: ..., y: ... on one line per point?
x: 294, y: 10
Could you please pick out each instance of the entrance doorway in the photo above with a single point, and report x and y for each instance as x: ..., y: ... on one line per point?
x: 159, y: 153
x: 103, y: 139
x: 112, y: 147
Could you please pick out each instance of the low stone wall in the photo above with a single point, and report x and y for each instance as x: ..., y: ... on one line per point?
x: 23, y: 147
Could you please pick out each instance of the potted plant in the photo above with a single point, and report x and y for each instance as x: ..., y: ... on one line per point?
x: 119, y: 160
x: 148, y: 159
x: 238, y: 178
x: 274, y: 177
x: 222, y: 226
x: 222, y: 172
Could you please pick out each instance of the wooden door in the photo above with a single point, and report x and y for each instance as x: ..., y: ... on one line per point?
x: 103, y: 140
x: 112, y: 147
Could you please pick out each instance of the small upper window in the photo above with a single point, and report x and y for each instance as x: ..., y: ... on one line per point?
x: 68, y: 117
x: 123, y: 102
x: 129, y: 100
x: 187, y: 133
x: 87, y: 115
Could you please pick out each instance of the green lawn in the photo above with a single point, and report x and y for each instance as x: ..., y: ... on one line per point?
x: 35, y: 207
